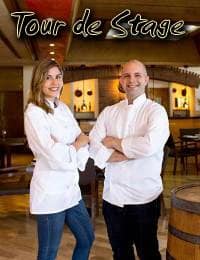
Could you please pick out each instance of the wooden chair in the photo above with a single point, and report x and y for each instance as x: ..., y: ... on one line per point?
x: 89, y: 188
x: 180, y: 150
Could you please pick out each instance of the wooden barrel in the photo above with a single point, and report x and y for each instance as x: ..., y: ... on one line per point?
x: 184, y: 224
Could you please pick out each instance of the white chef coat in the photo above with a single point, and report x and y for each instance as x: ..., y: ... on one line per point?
x: 54, y: 186
x: 143, y: 127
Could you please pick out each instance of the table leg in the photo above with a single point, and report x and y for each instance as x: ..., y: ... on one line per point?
x: 8, y: 157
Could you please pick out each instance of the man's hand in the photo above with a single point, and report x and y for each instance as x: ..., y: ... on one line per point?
x: 117, y: 157
x: 81, y: 141
x: 113, y: 143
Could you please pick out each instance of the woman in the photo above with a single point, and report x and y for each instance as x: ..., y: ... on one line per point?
x: 60, y: 149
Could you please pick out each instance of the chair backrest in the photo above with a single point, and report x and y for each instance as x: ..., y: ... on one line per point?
x: 170, y: 142
x: 165, y: 157
x: 173, y: 147
x: 88, y: 176
x: 89, y: 188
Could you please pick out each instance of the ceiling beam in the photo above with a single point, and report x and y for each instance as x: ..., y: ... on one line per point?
x: 74, y: 11
x: 13, y: 6
x: 93, y: 52
x: 163, y: 73
x: 9, y: 45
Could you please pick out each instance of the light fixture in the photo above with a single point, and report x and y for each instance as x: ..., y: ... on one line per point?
x: 52, y: 52
x: 51, y: 44
x: 52, y: 58
x: 83, y: 106
x: 191, y: 28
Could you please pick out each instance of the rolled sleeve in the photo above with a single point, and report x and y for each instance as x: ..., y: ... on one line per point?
x: 100, y: 154
x: 82, y: 157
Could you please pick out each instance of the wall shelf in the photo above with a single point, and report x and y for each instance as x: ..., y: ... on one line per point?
x: 84, y: 115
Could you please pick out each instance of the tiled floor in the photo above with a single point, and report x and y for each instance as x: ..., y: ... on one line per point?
x: 18, y: 238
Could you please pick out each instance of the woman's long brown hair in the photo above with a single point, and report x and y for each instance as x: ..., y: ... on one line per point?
x: 36, y: 95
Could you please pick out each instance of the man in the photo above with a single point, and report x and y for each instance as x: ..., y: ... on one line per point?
x: 128, y: 140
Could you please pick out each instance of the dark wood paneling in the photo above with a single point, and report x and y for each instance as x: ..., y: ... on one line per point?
x: 11, y: 113
x: 11, y: 79
x: 161, y: 95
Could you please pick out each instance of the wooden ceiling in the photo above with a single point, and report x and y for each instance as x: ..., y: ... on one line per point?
x: 71, y: 49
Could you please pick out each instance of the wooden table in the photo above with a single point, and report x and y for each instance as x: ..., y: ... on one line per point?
x: 6, y: 145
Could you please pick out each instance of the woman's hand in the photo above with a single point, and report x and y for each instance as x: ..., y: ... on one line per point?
x: 81, y: 141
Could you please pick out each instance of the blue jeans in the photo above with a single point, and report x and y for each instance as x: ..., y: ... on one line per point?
x: 50, y: 229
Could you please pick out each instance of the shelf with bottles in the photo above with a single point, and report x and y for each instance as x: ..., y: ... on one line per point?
x: 181, y: 103
x: 82, y: 108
